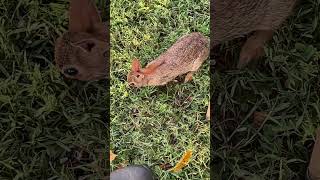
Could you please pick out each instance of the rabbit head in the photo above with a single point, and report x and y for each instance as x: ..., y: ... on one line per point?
x: 136, y: 76
x: 81, y: 53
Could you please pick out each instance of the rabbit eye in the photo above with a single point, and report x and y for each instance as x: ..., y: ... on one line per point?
x: 138, y: 75
x: 89, y: 46
x: 132, y: 84
x: 71, y: 71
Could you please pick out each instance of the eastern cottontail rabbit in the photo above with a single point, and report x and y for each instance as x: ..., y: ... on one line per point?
x: 186, y: 55
x: 236, y: 18
x: 81, y: 53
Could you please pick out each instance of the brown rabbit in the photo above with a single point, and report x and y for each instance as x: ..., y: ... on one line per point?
x: 186, y: 55
x: 81, y: 53
x: 235, y: 18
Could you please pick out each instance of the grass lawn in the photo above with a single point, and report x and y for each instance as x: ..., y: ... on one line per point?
x: 156, y: 125
x: 284, y: 86
x: 50, y: 127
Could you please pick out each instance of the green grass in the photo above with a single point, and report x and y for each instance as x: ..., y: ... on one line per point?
x: 285, y: 85
x: 50, y: 127
x: 156, y: 125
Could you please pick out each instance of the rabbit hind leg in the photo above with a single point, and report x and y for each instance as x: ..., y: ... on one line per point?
x: 254, y: 47
x: 189, y: 75
x: 198, y: 62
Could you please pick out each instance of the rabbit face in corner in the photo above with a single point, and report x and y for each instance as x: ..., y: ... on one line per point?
x: 81, y: 53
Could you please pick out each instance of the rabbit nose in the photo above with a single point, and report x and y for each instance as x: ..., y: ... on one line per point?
x: 71, y: 71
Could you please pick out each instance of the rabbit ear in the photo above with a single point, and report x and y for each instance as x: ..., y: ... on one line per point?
x: 83, y: 16
x: 135, y: 65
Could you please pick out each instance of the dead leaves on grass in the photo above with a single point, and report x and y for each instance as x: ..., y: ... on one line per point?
x: 112, y: 156
x: 258, y: 119
x: 184, y: 161
x: 166, y: 166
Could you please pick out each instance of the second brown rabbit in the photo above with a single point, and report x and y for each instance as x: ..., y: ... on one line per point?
x: 82, y: 52
x: 236, y: 18
x: 186, y: 55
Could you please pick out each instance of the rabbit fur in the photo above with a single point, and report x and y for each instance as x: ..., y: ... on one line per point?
x: 236, y: 18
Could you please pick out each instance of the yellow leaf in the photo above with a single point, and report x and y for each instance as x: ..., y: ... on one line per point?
x: 112, y: 156
x: 183, y: 161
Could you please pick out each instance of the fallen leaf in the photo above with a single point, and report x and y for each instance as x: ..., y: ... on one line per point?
x: 258, y: 119
x: 112, y: 156
x: 165, y: 166
x: 123, y: 164
x: 189, y: 98
x: 183, y: 162
x: 120, y: 166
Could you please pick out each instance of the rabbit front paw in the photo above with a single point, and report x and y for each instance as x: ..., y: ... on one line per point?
x: 254, y: 47
x: 249, y: 53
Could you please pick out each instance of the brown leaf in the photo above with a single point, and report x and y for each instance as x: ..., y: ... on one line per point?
x: 258, y: 119
x: 123, y: 164
x: 189, y: 98
x: 120, y: 166
x: 112, y: 156
x: 165, y: 166
x: 184, y: 161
